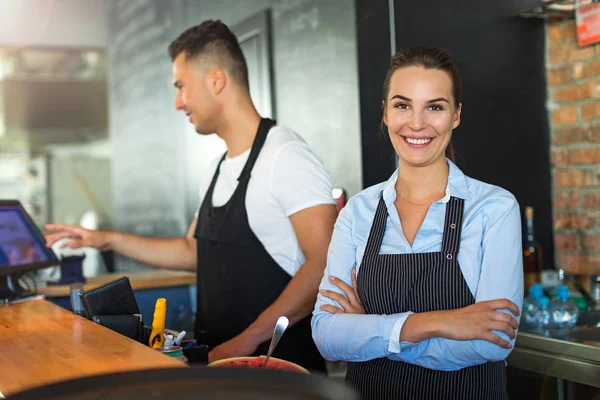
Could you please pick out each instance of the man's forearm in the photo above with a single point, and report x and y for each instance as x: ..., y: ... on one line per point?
x: 172, y: 253
x: 295, y: 302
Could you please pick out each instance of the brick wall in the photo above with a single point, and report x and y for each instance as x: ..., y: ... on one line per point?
x: 573, y: 75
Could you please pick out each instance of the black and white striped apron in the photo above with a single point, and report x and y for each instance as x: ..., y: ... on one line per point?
x: 396, y: 283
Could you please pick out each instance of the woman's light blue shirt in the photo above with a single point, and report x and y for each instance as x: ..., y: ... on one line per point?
x: 490, y: 259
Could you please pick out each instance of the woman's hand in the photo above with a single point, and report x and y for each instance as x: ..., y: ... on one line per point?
x: 474, y: 322
x: 477, y: 321
x: 350, y: 302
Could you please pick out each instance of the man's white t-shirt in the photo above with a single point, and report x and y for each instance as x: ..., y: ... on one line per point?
x: 287, y: 177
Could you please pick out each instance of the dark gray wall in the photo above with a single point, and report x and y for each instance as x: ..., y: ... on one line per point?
x: 373, y: 21
x: 159, y: 159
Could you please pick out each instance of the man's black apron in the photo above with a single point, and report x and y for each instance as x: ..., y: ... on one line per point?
x: 396, y: 283
x: 237, y: 278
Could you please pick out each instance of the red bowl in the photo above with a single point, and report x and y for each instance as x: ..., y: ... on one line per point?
x: 257, y: 362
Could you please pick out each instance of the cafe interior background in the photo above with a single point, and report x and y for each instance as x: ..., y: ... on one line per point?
x: 89, y: 134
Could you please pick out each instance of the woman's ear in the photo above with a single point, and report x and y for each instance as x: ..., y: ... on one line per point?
x: 456, y: 121
x: 384, y: 111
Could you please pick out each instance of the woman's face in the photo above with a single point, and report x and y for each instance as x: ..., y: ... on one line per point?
x: 420, y: 114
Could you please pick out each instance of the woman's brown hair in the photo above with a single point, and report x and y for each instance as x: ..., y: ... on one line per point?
x: 428, y: 57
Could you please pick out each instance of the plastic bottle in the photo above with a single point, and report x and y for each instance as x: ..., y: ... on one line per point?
x: 542, y: 319
x: 531, y: 304
x: 563, y: 310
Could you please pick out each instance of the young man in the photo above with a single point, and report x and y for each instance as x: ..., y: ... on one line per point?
x: 259, y: 240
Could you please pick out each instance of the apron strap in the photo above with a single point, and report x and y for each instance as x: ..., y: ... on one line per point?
x: 377, y: 229
x: 261, y: 136
x: 213, y: 182
x: 453, y: 226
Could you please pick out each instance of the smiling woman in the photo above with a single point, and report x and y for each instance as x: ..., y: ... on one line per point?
x: 431, y: 75
x: 424, y: 282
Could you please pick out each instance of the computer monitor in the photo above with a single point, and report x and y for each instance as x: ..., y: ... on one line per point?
x: 22, y: 245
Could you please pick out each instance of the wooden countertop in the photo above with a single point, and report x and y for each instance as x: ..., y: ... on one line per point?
x: 41, y: 343
x: 139, y: 280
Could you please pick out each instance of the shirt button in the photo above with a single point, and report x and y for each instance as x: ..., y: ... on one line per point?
x: 449, y: 256
x: 452, y: 226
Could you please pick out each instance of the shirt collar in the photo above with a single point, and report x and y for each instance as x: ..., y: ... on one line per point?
x: 457, y: 185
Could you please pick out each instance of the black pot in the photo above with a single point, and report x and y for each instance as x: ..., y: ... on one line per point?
x: 195, y: 383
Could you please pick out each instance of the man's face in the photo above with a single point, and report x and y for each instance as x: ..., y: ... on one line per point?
x: 193, y: 95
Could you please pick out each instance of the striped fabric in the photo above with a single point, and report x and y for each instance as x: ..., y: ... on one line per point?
x: 395, y: 283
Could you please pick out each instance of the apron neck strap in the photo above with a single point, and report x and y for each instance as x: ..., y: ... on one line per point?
x: 261, y: 136
x: 453, y: 225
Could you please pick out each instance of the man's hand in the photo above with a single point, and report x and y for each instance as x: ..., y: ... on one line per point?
x: 174, y: 253
x: 80, y: 237
x: 240, y: 346
x: 313, y: 227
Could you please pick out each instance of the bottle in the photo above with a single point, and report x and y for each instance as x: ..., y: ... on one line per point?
x: 531, y: 304
x: 563, y: 310
x: 542, y: 320
x: 595, y: 291
x: 532, y: 252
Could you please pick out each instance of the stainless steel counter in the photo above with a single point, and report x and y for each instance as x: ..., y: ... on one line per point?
x: 567, y: 360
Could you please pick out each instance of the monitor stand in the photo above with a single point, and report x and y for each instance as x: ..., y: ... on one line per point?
x: 10, y: 289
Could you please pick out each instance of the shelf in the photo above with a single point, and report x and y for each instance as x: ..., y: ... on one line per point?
x: 551, y: 9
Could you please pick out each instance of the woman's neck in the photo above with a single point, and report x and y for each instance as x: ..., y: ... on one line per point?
x: 422, y: 184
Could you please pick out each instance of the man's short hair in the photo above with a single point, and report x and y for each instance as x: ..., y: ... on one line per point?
x: 213, y: 40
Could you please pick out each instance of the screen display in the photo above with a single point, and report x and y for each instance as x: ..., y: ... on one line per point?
x: 21, y: 243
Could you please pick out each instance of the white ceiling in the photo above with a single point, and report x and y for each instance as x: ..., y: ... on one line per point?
x: 76, y: 23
